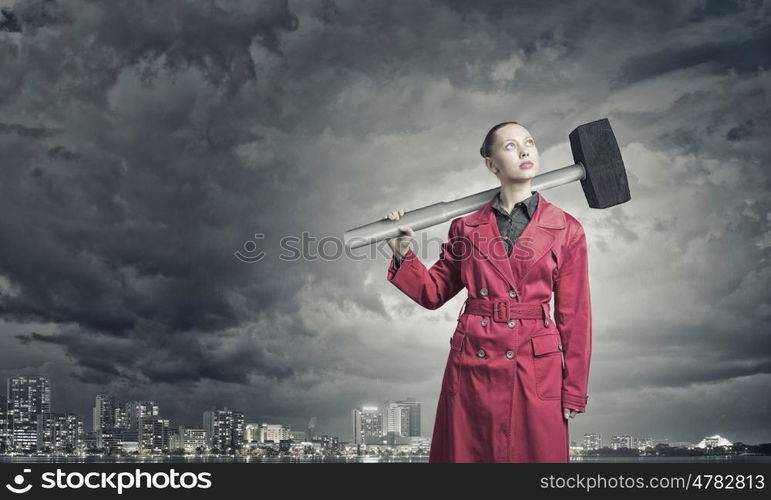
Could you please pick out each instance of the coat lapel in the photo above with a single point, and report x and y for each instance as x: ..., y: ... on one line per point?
x: 534, y: 242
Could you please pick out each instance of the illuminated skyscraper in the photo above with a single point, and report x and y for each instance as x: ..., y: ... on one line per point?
x: 28, y: 397
x: 414, y: 416
x: 136, y: 410
x: 367, y: 425
x: 104, y: 412
x: 224, y: 429
x: 59, y: 432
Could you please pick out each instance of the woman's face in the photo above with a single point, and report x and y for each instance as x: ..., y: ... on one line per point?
x: 512, y: 149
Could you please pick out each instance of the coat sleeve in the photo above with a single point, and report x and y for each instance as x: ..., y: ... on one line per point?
x: 573, y: 316
x: 430, y: 288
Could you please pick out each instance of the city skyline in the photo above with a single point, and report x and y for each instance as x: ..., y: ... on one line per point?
x: 225, y: 429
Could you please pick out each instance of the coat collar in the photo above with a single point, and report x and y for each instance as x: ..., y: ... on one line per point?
x: 535, y: 241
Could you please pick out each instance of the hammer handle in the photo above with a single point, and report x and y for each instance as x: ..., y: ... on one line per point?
x: 443, y: 211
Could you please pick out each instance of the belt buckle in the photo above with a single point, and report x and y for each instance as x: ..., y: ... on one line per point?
x: 497, y: 311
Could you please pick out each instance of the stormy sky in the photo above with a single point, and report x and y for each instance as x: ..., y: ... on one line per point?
x: 143, y: 143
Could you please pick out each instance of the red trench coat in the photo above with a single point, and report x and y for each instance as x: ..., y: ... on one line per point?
x: 507, y: 378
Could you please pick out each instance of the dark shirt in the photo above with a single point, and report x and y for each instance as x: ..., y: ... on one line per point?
x: 510, y: 225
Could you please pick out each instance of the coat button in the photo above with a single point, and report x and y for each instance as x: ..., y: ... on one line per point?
x: 512, y: 293
x: 481, y: 353
x: 509, y: 354
x: 483, y: 292
x: 512, y: 323
x: 484, y: 321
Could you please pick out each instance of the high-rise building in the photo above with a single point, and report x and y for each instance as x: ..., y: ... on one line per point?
x: 310, y: 430
x: 59, y: 432
x: 4, y: 440
x: 252, y: 433
x: 401, y: 420
x: 28, y: 397
x: 396, y: 422
x: 224, y: 429
x: 136, y: 410
x: 105, y: 408
x: 414, y: 415
x: 592, y: 441
x: 367, y: 425
x: 153, y: 434
x: 121, y: 418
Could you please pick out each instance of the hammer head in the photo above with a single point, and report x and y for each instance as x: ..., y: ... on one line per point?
x: 595, y: 147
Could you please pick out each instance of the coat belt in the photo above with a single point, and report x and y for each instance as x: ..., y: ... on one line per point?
x: 504, y: 310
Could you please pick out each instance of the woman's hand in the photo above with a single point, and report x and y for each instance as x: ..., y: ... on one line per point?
x: 569, y: 413
x: 400, y: 244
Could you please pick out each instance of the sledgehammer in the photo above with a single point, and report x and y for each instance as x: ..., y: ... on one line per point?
x: 598, y: 165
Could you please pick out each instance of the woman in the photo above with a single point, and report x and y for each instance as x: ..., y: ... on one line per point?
x: 514, y: 377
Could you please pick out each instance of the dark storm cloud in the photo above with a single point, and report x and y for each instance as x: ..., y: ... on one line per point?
x: 8, y: 21
x: 112, y: 222
x: 741, y: 55
x: 21, y: 130
x: 143, y: 143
